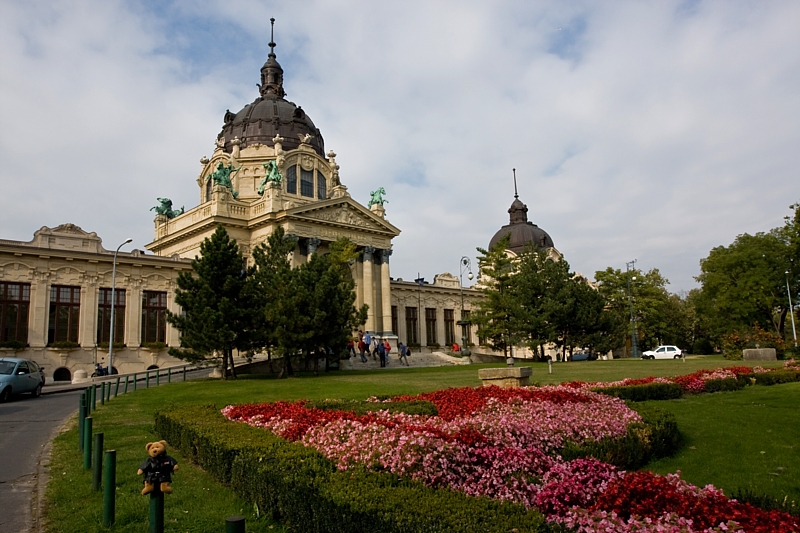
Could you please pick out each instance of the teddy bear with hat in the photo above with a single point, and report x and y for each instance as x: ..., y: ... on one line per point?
x: 158, y: 468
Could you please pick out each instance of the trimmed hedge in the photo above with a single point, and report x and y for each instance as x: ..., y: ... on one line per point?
x: 643, y: 393
x: 774, y: 377
x: 303, y: 489
x: 721, y: 385
x: 656, y: 436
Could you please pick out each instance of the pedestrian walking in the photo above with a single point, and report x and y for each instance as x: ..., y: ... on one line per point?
x: 374, y: 347
x: 381, y: 354
x: 361, y: 349
x: 387, y: 348
x: 402, y: 356
x: 351, y: 348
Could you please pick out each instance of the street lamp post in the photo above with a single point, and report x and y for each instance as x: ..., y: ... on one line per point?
x: 634, y: 341
x: 464, y: 264
x: 113, y: 297
x: 791, y: 309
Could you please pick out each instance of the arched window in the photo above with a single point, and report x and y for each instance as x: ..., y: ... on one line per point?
x: 322, y: 186
x: 152, y: 367
x: 62, y: 374
x: 307, y: 183
x: 208, y: 190
x: 291, y: 179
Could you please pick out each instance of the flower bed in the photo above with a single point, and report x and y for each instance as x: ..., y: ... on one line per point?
x: 504, y: 444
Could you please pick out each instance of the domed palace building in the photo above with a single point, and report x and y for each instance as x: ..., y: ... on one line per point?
x: 269, y: 169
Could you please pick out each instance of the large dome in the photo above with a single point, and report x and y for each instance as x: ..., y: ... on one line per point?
x: 522, y: 232
x: 270, y: 115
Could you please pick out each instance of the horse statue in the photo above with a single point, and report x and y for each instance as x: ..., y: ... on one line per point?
x: 166, y: 208
x: 376, y: 197
x: 222, y: 176
x: 273, y: 175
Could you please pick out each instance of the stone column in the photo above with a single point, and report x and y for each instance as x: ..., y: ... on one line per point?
x: 38, y: 321
x: 133, y: 314
x: 87, y: 332
x: 369, y: 289
x: 386, y: 295
x: 402, y: 332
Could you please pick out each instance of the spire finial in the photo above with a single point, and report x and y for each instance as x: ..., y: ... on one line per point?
x: 514, y: 170
x: 272, y: 38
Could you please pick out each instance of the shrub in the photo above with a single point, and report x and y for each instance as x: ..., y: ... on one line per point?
x: 154, y: 346
x: 64, y: 345
x: 774, y: 377
x: 642, y: 393
x: 720, y: 385
x: 300, y: 487
x: 656, y: 436
x: 14, y: 345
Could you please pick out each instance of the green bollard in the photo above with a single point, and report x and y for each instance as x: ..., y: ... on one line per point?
x: 87, y: 443
x: 103, y: 393
x: 94, y: 397
x: 147, y: 380
x: 134, y: 382
x: 126, y: 384
x: 97, y: 462
x: 109, y: 488
x: 169, y: 375
x: 108, y: 392
x: 81, y: 418
x: 234, y: 524
x: 116, y: 388
x: 184, y: 373
x: 158, y: 376
x: 157, y: 511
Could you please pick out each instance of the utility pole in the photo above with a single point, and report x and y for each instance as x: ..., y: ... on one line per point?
x: 631, y: 267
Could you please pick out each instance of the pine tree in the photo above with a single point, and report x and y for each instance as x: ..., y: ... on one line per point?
x: 216, y: 307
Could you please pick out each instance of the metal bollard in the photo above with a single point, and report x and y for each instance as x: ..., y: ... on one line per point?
x: 103, y: 393
x: 87, y: 443
x: 97, y: 462
x: 184, y: 373
x: 550, y: 365
x: 81, y: 418
x: 234, y: 524
x: 94, y: 397
x: 134, y: 382
x: 147, y: 379
x: 126, y: 384
x: 110, y: 488
x: 116, y: 388
x: 158, y: 376
x: 169, y: 375
x: 157, y: 511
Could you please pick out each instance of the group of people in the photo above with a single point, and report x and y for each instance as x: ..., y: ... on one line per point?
x: 370, y: 345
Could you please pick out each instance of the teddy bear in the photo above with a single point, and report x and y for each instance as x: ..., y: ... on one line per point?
x: 158, y: 468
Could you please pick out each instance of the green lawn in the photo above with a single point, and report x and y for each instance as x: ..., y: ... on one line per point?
x: 200, y: 504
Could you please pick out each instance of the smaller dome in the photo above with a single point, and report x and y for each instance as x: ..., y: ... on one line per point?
x: 522, y: 232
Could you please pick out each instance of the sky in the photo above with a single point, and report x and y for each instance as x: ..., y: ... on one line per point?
x: 647, y: 130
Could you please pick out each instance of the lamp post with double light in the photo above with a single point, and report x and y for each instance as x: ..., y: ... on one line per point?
x: 464, y: 265
x: 631, y: 267
x: 113, y: 301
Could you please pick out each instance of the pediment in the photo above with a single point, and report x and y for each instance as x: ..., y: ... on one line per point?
x: 344, y: 213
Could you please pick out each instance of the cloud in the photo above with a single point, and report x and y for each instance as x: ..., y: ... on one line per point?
x: 651, y: 131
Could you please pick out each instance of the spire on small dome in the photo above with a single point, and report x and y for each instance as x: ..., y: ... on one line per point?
x: 514, y: 170
x: 518, y: 210
x: 272, y: 73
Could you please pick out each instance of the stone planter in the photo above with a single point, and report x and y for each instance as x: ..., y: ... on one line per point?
x: 508, y: 378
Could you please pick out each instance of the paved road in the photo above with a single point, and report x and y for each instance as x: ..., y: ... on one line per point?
x: 26, y: 427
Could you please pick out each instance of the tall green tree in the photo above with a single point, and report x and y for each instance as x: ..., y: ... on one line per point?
x: 497, y: 315
x: 216, y: 308
x: 309, y: 309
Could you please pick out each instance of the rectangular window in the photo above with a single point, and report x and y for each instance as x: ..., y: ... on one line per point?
x: 14, y: 304
x: 322, y: 186
x: 154, y: 316
x: 104, y: 316
x: 65, y: 309
x: 291, y: 179
x: 430, y: 325
x: 307, y: 183
x: 411, y: 325
x: 394, y: 319
x: 449, y: 327
x: 466, y: 327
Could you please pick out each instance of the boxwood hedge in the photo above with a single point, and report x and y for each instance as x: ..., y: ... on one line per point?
x: 642, y: 393
x: 303, y: 489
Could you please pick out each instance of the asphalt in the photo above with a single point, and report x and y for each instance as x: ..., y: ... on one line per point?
x: 27, y: 427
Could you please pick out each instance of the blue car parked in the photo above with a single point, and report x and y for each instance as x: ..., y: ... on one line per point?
x: 18, y: 376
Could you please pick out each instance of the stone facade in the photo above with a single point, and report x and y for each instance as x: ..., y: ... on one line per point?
x: 68, y: 260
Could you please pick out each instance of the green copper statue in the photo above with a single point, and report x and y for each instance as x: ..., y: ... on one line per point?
x: 166, y: 208
x: 376, y: 197
x: 273, y: 176
x: 222, y: 176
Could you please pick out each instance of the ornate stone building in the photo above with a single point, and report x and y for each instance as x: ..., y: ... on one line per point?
x: 269, y: 169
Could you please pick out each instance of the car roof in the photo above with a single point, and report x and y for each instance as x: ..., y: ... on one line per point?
x: 13, y: 359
